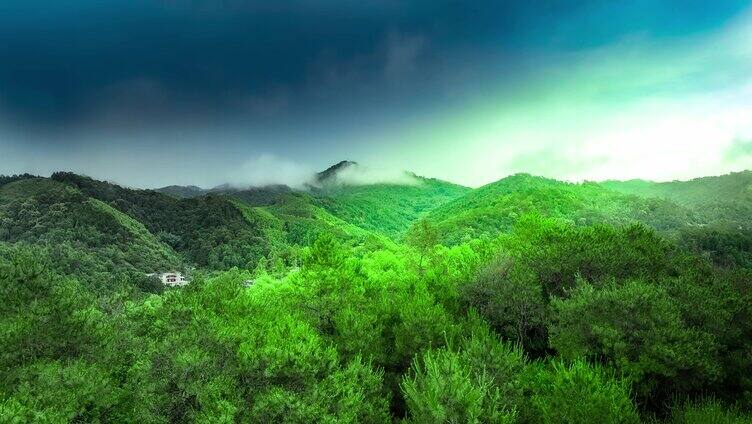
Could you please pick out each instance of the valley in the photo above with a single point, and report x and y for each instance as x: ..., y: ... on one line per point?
x: 367, y: 302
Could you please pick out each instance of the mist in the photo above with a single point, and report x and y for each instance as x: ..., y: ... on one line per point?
x: 268, y: 169
x: 357, y: 174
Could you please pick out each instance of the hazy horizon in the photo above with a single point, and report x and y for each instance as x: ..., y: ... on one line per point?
x: 185, y: 92
x: 304, y: 180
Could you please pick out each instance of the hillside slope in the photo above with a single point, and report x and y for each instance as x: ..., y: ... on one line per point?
x: 182, y: 192
x: 348, y: 192
x: 85, y: 237
x: 386, y: 208
x: 494, y: 208
x: 736, y: 186
x: 227, y: 228
x: 724, y: 201
x: 210, y: 231
x: 723, y: 204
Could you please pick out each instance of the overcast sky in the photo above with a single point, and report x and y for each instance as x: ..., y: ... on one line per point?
x: 155, y: 92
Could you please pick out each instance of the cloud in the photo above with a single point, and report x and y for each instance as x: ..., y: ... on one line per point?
x: 739, y: 149
x: 402, y: 53
x: 642, y: 108
x: 555, y: 162
x: 393, y: 60
x: 363, y: 175
x: 268, y: 169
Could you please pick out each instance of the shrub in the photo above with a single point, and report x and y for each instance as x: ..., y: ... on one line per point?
x: 577, y: 393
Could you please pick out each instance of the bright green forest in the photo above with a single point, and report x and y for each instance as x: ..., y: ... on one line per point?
x: 527, y: 300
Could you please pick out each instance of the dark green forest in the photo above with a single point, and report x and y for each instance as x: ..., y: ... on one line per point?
x: 528, y: 300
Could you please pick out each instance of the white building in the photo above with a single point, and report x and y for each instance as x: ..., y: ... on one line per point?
x: 172, y: 278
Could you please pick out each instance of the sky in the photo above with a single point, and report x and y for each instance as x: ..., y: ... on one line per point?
x: 150, y: 93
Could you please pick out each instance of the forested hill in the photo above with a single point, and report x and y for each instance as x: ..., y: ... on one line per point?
x: 209, y: 231
x: 225, y: 228
x: 526, y: 301
x: 182, y: 192
x: 723, y: 205
x: 724, y: 202
x: 85, y: 237
x: 494, y: 208
x: 107, y: 235
x: 387, y: 208
x: 699, y: 191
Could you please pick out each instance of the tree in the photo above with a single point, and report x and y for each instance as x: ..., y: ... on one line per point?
x: 423, y: 237
x: 637, y: 329
x: 577, y: 393
x: 478, y: 383
x: 62, y: 392
x: 708, y: 411
x: 509, y: 297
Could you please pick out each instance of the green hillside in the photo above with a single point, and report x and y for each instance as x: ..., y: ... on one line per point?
x: 182, y: 192
x: 527, y: 301
x: 724, y: 201
x: 699, y: 191
x: 494, y: 208
x: 723, y: 205
x: 209, y: 231
x: 100, y: 231
x: 388, y: 209
x: 85, y: 237
x: 256, y: 196
x: 295, y: 221
x: 225, y: 228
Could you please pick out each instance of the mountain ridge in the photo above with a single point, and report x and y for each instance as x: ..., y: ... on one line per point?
x: 195, y: 226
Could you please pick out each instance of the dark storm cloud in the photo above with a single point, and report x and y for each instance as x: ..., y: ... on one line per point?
x: 135, y: 63
x: 157, y: 61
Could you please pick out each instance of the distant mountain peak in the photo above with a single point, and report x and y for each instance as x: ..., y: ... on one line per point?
x: 182, y: 192
x: 333, y: 170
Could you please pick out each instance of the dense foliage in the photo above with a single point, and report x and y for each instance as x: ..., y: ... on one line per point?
x: 571, y: 311
x: 700, y: 191
x: 84, y: 237
x: 388, y: 209
x: 220, y: 231
x: 723, y: 206
x: 496, y: 207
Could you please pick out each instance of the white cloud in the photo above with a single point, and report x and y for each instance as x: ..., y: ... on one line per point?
x: 268, y: 169
x: 365, y: 175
